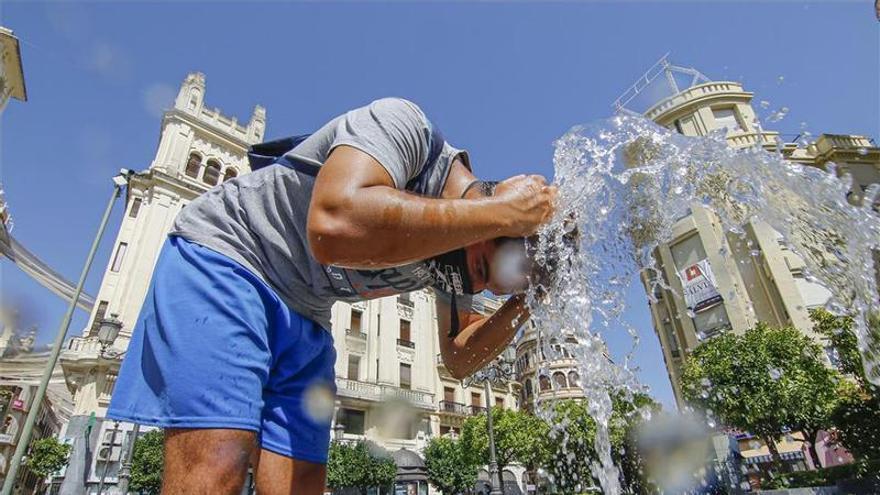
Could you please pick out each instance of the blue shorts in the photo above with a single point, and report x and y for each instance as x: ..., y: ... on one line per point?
x: 214, y: 347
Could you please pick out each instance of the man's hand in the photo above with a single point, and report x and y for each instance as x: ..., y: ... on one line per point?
x: 529, y: 203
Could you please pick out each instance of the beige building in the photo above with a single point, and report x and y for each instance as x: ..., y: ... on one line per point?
x: 761, y: 282
x: 392, y: 388
x: 11, y: 72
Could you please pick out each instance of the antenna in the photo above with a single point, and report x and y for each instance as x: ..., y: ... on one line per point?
x: 660, y: 68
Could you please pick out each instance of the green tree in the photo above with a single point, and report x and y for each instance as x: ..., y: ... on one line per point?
x: 451, y: 467
x: 147, y: 463
x: 359, y: 465
x: 519, y: 437
x: 764, y: 381
x: 857, y: 416
x: 47, y: 456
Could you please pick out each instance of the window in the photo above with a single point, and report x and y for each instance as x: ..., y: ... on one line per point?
x: 354, y: 367
x: 120, y: 255
x: 559, y: 380
x: 231, y: 173
x: 545, y: 383
x: 574, y: 379
x: 193, y: 164
x: 444, y: 430
x: 405, y: 327
x: 135, y: 207
x: 405, y: 376
x: 352, y: 421
x: 99, y: 316
x: 212, y: 173
x: 529, y: 389
x: 355, y: 324
x: 725, y: 118
x: 499, y: 402
x: 475, y: 400
x: 449, y: 394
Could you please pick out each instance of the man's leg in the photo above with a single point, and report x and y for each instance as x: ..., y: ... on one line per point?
x: 207, y: 461
x: 280, y: 475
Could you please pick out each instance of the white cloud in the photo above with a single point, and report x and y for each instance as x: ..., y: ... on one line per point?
x: 157, y: 98
x: 109, y: 61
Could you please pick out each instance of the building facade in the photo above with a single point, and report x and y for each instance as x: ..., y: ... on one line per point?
x: 755, y: 279
x: 763, y: 281
x: 391, y: 385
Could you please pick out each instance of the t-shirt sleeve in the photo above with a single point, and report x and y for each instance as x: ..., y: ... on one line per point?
x: 394, y: 131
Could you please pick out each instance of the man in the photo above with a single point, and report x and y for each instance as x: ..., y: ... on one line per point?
x: 232, y: 348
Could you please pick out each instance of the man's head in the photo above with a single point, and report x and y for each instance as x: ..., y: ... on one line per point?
x: 498, y: 265
x: 504, y: 265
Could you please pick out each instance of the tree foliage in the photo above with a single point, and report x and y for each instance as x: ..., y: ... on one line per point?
x: 763, y: 381
x: 857, y: 415
x: 47, y: 456
x: 519, y: 437
x: 147, y: 463
x: 359, y: 465
x: 451, y: 467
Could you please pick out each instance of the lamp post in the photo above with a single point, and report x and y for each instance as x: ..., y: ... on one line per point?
x: 125, y: 470
x: 498, y: 371
x: 107, y: 463
x: 119, y: 183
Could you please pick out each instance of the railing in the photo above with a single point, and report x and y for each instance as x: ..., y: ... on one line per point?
x: 453, y: 407
x: 406, y: 343
x: 476, y: 410
x: 373, y: 392
x: 692, y: 93
x: 358, y: 334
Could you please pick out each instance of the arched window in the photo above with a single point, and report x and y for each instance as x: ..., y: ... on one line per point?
x: 545, y: 383
x: 193, y: 164
x: 230, y: 173
x: 528, y: 388
x: 559, y: 380
x: 212, y: 173
x: 574, y: 379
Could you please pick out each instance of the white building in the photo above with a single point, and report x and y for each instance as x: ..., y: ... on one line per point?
x: 386, y: 348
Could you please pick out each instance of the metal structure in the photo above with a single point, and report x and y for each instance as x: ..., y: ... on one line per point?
x: 661, y: 69
x: 33, y: 266
x: 498, y: 371
x: 119, y: 183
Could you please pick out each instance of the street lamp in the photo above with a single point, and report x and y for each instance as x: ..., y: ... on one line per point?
x: 119, y: 183
x: 107, y: 332
x: 498, y: 371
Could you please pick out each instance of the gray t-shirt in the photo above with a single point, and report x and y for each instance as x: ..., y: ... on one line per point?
x: 259, y: 219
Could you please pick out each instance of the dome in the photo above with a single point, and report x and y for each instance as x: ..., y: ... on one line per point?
x: 405, y: 458
x: 410, y: 466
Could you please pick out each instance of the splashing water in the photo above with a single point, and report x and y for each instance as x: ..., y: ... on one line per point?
x: 624, y: 183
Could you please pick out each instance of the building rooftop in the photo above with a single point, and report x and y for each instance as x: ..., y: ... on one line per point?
x: 12, y: 75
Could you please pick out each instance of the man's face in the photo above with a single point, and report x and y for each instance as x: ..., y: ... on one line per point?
x: 499, y: 265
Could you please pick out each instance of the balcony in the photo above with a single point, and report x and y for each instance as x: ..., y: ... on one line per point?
x: 476, y: 410
x: 358, y: 334
x: 450, y: 407
x: 377, y: 393
x: 406, y: 343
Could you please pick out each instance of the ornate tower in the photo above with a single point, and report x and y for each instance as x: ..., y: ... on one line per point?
x: 199, y: 147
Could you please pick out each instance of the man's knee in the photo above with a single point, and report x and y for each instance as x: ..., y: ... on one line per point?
x: 207, y: 460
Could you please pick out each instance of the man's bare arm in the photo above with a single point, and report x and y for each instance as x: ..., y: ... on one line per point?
x: 358, y: 219
x: 482, y: 339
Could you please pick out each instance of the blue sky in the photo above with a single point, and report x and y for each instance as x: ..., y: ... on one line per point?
x: 501, y: 79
